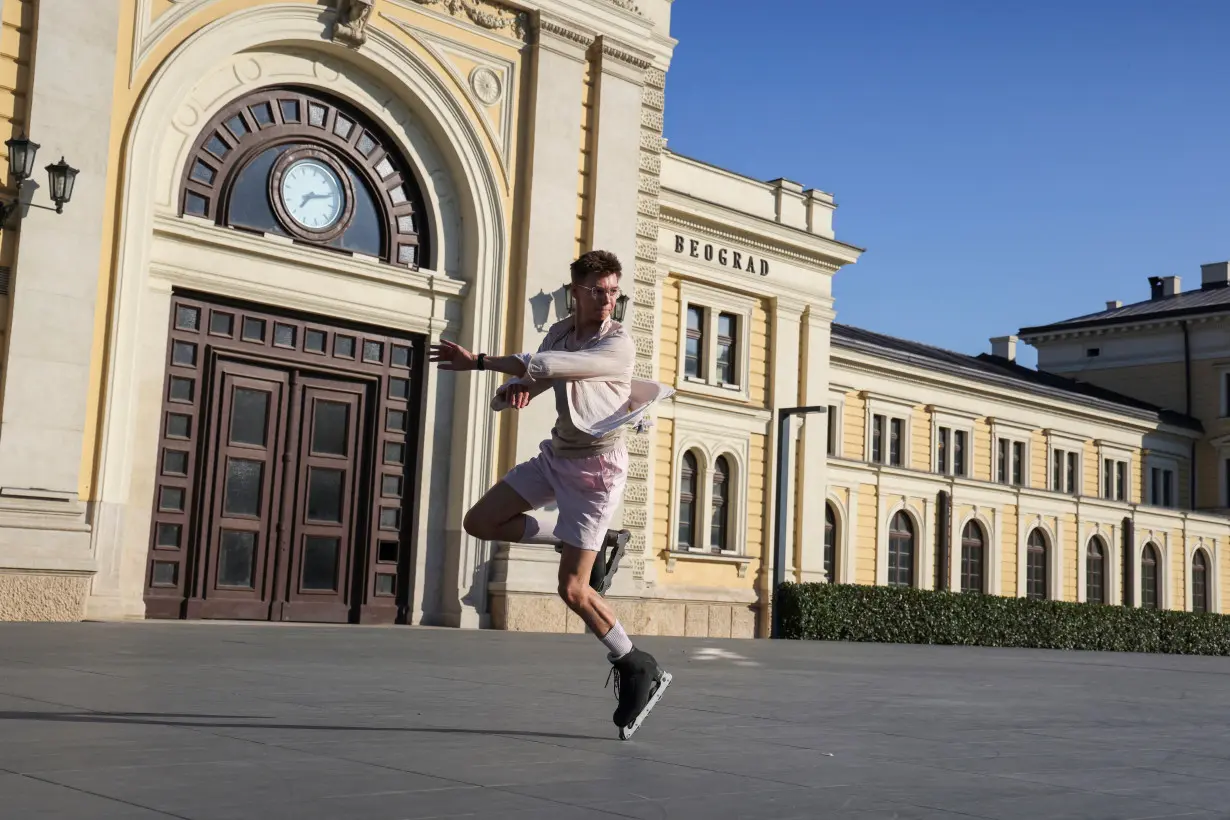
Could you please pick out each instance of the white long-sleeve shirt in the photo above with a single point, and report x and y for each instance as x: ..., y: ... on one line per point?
x: 596, y: 394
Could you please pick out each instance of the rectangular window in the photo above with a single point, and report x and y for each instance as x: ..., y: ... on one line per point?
x: 1003, y: 461
x: 726, y: 340
x: 1057, y: 470
x: 695, y: 345
x: 1018, y: 463
x: 1108, y: 478
x: 1155, y: 491
x: 942, y: 444
x: 1167, y: 488
x: 895, y: 442
x: 958, y: 452
x: 1073, y: 472
x: 1120, y: 480
x: 877, y: 439
x: 832, y: 431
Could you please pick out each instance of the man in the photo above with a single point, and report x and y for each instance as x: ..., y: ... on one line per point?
x: 587, y: 361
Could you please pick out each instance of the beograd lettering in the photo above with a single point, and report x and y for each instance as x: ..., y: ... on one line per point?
x: 723, y: 256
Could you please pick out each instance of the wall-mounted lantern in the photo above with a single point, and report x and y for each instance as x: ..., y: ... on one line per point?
x: 61, y: 176
x: 621, y: 304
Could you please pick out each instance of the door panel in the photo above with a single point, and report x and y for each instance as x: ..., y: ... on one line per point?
x: 248, y: 414
x: 324, y: 525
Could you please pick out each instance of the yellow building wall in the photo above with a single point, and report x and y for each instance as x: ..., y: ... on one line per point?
x: 1008, y: 551
x: 1160, y: 384
x: 663, y: 488
x: 756, y: 542
x: 920, y: 440
x: 853, y: 428
x: 1037, y: 461
x: 759, y: 342
x: 1090, y: 467
x: 129, y: 90
x: 668, y: 341
x: 984, y: 449
x: 867, y: 535
x: 1072, y: 556
x: 1178, y: 571
x: 1136, y: 491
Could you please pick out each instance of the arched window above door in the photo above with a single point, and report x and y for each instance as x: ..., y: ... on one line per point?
x: 298, y: 163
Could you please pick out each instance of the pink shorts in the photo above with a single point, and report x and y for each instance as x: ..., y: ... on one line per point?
x: 585, y: 490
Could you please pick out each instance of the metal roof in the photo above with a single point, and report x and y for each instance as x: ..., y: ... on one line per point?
x: 1212, y: 300
x: 1003, y: 372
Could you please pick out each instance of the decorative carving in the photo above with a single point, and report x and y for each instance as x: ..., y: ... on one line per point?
x: 634, y: 60
x: 626, y: 5
x: 486, y: 85
x: 350, y: 25
x: 564, y: 32
x: 484, y: 13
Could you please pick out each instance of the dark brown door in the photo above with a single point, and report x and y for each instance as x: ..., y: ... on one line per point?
x: 285, y: 487
x: 321, y: 532
x: 248, y: 413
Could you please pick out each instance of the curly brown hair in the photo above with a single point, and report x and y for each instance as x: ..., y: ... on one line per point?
x: 596, y: 264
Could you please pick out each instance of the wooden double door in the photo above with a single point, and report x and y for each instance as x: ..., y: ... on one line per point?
x: 284, y: 495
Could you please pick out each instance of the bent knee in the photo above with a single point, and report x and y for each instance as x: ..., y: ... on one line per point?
x: 573, y: 591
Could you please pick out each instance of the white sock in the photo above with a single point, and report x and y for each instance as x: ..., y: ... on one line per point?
x: 534, y: 535
x: 617, y: 642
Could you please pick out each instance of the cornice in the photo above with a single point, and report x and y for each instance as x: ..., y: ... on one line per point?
x: 486, y: 14
x: 626, y: 54
x: 813, y: 259
x: 559, y: 28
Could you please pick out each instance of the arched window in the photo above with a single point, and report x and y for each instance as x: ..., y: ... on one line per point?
x: 901, y: 551
x: 1036, y: 559
x: 719, y: 530
x: 301, y: 164
x: 1150, y: 590
x: 830, y: 543
x: 688, y: 475
x: 973, y: 548
x: 1200, y: 582
x: 1095, y: 572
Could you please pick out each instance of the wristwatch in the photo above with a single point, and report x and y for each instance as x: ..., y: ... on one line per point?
x: 480, y: 364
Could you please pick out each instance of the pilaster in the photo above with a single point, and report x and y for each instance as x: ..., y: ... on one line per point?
x: 813, y: 446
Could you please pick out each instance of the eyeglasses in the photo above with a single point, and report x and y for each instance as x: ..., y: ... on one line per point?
x: 602, y: 294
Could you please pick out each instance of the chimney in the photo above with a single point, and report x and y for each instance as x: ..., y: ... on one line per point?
x: 1114, y: 304
x: 1160, y: 287
x: 1004, y: 347
x: 1214, y: 275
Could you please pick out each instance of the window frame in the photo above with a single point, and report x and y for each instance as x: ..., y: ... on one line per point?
x: 1014, y: 434
x: 696, y: 432
x: 1046, y: 549
x: 1103, y: 574
x: 1118, y: 455
x: 914, y: 548
x: 1207, y: 588
x: 712, y: 302
x: 1156, y: 589
x: 954, y: 423
x: 1060, y: 447
x: 983, y: 562
x: 890, y: 408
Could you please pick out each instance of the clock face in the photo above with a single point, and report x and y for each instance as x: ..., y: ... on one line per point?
x: 313, y: 194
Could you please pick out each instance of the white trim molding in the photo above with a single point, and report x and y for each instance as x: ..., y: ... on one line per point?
x: 1210, y: 548
x: 712, y: 302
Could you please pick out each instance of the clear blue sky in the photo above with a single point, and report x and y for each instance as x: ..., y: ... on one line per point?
x: 1005, y: 163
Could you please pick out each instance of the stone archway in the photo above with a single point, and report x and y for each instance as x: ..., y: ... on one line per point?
x: 158, y: 252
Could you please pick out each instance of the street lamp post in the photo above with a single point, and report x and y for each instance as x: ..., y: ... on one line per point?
x: 61, y: 177
x: 784, y: 414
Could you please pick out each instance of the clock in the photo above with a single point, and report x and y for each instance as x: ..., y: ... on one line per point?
x: 312, y: 194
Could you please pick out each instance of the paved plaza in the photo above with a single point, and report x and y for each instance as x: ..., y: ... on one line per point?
x: 211, y: 721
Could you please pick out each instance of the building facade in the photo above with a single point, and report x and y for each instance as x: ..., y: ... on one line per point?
x: 215, y: 400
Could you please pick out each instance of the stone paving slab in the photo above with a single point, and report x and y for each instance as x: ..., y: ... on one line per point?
x: 212, y: 721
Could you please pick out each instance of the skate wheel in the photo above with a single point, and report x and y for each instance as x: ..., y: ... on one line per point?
x: 626, y: 732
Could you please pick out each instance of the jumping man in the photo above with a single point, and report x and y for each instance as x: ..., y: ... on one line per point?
x: 587, y: 360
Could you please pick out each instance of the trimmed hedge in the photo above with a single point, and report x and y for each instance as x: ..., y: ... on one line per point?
x: 849, y: 612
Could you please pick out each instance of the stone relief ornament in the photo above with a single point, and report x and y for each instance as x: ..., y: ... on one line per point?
x: 486, y: 85
x: 483, y: 13
x: 627, y: 5
x: 349, y: 28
